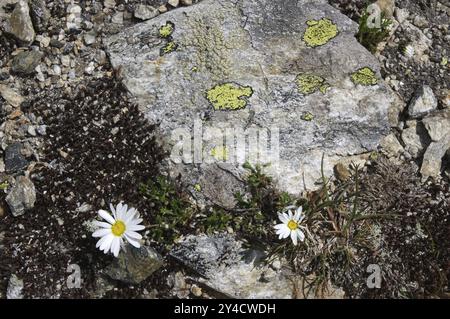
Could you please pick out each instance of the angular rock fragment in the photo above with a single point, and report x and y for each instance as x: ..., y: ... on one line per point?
x: 22, y: 196
x: 135, y: 265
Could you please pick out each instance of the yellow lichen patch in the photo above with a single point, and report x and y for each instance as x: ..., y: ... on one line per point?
x: 319, y: 32
x: 229, y: 96
x: 308, y: 117
x: 168, y: 48
x: 166, y: 30
x: 365, y: 76
x: 197, y: 187
x: 310, y: 83
x: 220, y: 153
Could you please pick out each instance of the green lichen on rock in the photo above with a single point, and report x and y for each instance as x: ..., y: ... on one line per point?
x: 166, y: 30
x: 310, y: 83
x: 168, y: 48
x: 229, y: 96
x: 308, y: 117
x: 319, y: 32
x: 365, y: 76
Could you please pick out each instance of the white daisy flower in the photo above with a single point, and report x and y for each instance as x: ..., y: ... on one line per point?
x: 123, y: 224
x: 290, y: 225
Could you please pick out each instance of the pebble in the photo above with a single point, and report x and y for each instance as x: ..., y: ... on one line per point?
x: 145, y: 12
x: 26, y: 62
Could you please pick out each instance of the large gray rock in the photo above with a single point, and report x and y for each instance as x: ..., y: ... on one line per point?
x: 22, y: 196
x: 227, y: 266
x: 284, y: 69
x: 135, y: 265
x: 20, y: 24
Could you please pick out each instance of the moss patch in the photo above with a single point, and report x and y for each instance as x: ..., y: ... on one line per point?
x: 310, y: 83
x: 320, y: 32
x: 168, y: 48
x: 166, y: 30
x: 365, y: 76
x: 308, y: 117
x: 229, y: 96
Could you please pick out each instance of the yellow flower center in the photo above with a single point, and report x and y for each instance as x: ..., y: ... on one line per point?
x: 292, y: 225
x: 118, y: 228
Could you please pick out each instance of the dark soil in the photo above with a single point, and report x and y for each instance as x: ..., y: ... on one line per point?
x: 86, y: 164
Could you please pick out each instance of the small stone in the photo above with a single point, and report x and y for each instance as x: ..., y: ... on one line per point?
x: 15, y: 287
x: 26, y: 62
x: 39, y: 13
x: 90, y: 68
x: 186, y: 2
x: 162, y: 9
x: 65, y: 60
x: 74, y: 9
x: 42, y: 130
x: 446, y: 99
x: 110, y: 4
x: 391, y: 146
x: 416, y: 139
x: 432, y: 160
x: 20, y: 24
x: 423, y: 102
x: 11, y: 96
x: 145, y: 12
x: 401, y: 15
x: 31, y: 130
x: 341, y: 172
x: 14, y: 160
x: 174, y: 3
x: 22, y: 196
x: 438, y: 125
x: 89, y: 38
x: 420, y: 22
x: 56, y: 69
x: 387, y: 7
x: 196, y: 291
x: 135, y: 265
x: 117, y: 18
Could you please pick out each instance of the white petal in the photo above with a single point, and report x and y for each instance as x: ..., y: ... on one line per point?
x: 119, y: 211
x: 283, y: 218
x: 133, y: 234
x: 106, y: 245
x: 290, y: 216
x: 101, y: 232
x: 106, y: 216
x: 136, y: 221
x: 285, y: 232
x: 279, y: 226
x: 101, y: 224
x: 300, y: 235
x: 298, y: 213
x: 132, y: 241
x: 135, y: 227
x: 113, y: 210
x: 294, y: 238
x: 124, y: 209
x: 99, y: 242
x: 115, y: 247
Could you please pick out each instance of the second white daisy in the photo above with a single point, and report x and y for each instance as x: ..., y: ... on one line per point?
x: 290, y: 225
x: 122, y: 225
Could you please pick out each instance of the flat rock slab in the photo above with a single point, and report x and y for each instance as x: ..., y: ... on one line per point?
x: 226, y: 266
x: 292, y: 71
